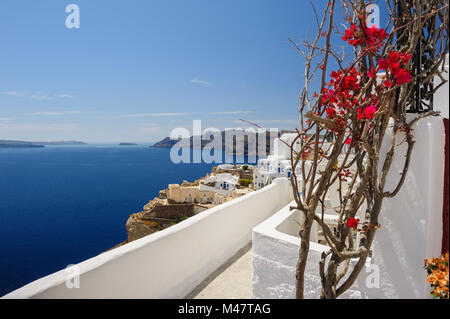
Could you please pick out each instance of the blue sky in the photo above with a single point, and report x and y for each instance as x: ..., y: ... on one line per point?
x: 136, y: 69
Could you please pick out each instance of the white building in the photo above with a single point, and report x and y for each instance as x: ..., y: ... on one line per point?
x: 277, y: 164
x: 222, y: 183
x: 223, y: 167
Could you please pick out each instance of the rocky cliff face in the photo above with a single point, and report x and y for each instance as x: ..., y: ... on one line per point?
x: 136, y: 225
x: 137, y: 228
x: 157, y: 215
x: 240, y: 149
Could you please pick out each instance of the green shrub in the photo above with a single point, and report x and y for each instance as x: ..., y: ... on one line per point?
x: 245, y: 182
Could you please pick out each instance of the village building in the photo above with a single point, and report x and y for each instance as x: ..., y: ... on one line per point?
x: 277, y: 164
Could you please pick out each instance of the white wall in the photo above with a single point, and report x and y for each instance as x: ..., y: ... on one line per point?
x: 412, y: 221
x: 206, y: 188
x: 441, y: 100
x: 283, y: 151
x: 172, y: 262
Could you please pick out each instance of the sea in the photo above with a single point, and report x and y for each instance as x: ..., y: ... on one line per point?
x: 60, y: 205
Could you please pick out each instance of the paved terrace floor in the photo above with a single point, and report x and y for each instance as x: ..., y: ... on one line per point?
x: 233, y: 280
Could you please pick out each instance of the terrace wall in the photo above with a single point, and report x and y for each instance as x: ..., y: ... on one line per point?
x: 171, y: 262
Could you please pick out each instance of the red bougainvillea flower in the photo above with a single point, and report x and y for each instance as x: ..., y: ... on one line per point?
x: 402, y: 77
x: 331, y: 112
x: 405, y: 58
x: 352, y: 222
x: 395, y: 65
x: 361, y: 35
x: 388, y: 83
x: 369, y: 112
x: 351, y: 35
x: 382, y: 63
x: 393, y: 57
x: 359, y: 115
x: 374, y: 36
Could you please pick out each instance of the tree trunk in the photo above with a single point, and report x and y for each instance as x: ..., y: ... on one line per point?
x: 303, y: 254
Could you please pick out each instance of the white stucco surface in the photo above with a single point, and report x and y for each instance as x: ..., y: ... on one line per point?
x: 171, y: 262
x: 412, y: 221
x: 441, y: 97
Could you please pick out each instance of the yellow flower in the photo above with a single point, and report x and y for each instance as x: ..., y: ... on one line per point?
x: 438, y: 276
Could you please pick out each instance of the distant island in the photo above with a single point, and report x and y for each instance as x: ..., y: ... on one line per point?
x: 232, y: 149
x: 127, y: 144
x: 25, y: 144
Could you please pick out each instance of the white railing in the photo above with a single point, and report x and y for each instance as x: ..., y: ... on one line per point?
x: 169, y: 263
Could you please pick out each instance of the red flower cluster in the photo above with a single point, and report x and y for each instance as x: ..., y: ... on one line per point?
x: 368, y: 113
x: 340, y: 91
x: 395, y: 64
x: 331, y: 112
x: 371, y: 37
x: 352, y: 35
x: 353, y: 222
x: 340, y: 96
x: 375, y: 37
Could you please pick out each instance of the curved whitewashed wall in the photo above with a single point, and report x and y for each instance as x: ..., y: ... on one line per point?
x: 172, y: 262
x: 412, y: 221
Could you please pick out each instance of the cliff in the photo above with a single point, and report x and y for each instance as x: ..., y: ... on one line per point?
x: 165, y: 143
x: 235, y: 149
x: 138, y: 228
x: 157, y: 215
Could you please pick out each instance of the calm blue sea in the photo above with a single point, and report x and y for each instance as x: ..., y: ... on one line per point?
x: 60, y: 205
